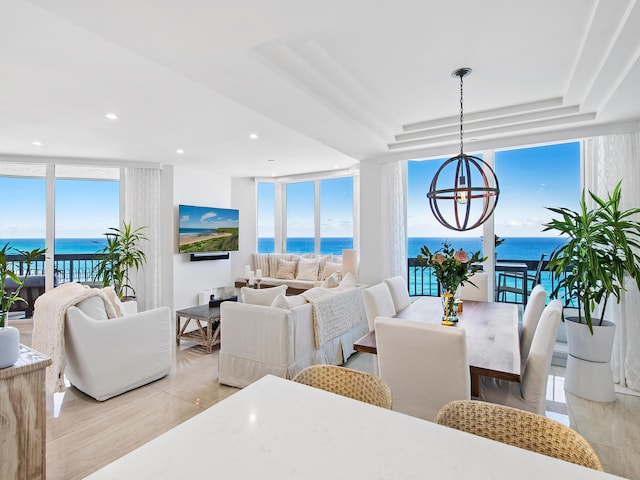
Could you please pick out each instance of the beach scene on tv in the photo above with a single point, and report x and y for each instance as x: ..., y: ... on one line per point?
x: 205, y: 229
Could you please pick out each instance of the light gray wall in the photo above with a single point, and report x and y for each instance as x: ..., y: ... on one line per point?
x: 370, y: 269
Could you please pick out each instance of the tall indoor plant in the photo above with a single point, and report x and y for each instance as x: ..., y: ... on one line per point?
x: 9, y: 336
x: 122, y: 253
x: 591, y: 268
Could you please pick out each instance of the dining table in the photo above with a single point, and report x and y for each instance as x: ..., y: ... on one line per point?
x: 493, y: 342
x: 280, y: 429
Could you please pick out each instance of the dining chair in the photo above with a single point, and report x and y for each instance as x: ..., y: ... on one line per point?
x: 529, y: 395
x: 377, y: 302
x: 348, y: 383
x: 530, y: 319
x: 511, y: 282
x: 399, y: 292
x: 519, y: 428
x: 425, y: 365
x: 476, y: 288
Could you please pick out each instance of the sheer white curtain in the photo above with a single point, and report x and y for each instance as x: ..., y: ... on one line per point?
x: 609, y: 159
x: 393, y: 223
x: 142, y: 208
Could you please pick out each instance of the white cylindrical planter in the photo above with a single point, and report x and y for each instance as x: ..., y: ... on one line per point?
x: 588, y: 374
x: 9, y: 346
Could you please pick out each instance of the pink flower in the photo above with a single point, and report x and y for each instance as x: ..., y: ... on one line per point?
x: 461, y: 256
x: 438, y: 258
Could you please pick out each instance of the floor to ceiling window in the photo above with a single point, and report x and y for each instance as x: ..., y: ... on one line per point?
x: 336, y: 215
x: 87, y: 205
x: 530, y: 179
x: 317, y: 215
x: 266, y: 217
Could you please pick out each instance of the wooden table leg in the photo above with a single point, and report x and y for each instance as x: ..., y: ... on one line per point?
x: 475, y: 385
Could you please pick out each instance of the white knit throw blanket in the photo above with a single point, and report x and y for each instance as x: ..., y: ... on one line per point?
x: 335, y: 311
x: 49, y: 315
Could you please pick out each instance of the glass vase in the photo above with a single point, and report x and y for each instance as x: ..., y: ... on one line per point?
x: 449, y: 308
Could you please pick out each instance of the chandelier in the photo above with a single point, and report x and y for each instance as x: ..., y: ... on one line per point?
x: 474, y: 194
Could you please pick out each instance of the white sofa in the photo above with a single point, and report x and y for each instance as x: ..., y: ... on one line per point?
x: 303, y: 278
x: 262, y: 339
x: 107, y: 357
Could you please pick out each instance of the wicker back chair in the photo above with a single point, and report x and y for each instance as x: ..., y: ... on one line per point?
x: 520, y: 429
x: 347, y: 382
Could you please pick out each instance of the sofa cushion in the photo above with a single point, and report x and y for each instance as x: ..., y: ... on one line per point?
x: 93, y: 307
x: 264, y: 296
x: 286, y: 270
x: 331, y: 281
x: 307, y: 269
x: 261, y: 262
x: 349, y: 281
x: 282, y: 301
x: 330, y: 268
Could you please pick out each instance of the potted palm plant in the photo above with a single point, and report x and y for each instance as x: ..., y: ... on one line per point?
x: 591, y: 270
x: 121, y: 254
x: 10, y: 336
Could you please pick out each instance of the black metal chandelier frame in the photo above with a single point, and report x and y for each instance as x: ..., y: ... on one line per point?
x: 463, y: 192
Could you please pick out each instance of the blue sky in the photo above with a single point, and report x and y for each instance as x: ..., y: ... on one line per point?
x: 207, y: 217
x: 530, y: 179
x: 84, y: 208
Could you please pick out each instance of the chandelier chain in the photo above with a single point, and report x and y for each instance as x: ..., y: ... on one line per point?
x: 461, y: 114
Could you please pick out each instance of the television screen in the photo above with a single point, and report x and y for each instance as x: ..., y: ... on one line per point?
x: 206, y: 229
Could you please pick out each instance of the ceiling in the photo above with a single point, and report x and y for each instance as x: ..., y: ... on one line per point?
x: 323, y: 85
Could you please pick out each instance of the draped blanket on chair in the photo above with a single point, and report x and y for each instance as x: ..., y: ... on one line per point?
x: 335, y: 312
x: 48, y: 325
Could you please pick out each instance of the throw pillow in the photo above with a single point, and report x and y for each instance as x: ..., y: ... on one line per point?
x: 115, y: 301
x: 307, y: 269
x: 330, y: 268
x: 286, y: 270
x: 93, y: 307
x: 282, y: 301
x: 331, y: 281
x: 261, y: 262
x: 263, y: 296
x: 349, y: 281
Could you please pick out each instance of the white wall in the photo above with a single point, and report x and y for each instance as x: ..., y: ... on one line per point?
x: 244, y: 198
x: 192, y: 186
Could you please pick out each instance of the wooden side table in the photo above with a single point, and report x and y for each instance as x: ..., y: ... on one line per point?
x: 207, y: 334
x: 23, y: 417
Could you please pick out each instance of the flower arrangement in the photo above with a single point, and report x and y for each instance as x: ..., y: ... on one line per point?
x: 451, y: 268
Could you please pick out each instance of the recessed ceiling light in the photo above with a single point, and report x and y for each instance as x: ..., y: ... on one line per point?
x: 111, y: 116
x: 335, y: 167
x: 37, y: 143
x: 271, y: 160
x: 179, y: 151
x: 273, y: 174
x: 253, y: 136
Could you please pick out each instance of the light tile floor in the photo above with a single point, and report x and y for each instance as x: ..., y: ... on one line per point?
x: 84, y: 435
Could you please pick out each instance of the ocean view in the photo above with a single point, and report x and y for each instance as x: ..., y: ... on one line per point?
x: 63, y: 245
x: 513, y: 248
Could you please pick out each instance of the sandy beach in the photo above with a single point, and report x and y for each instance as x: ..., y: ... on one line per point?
x: 188, y: 239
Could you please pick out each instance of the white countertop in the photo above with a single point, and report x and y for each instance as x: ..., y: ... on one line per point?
x: 276, y: 428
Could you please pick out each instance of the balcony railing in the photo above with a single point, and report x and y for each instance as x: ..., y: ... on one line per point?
x: 422, y: 281
x: 67, y: 267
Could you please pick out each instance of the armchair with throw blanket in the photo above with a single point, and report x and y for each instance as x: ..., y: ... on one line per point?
x: 104, y: 347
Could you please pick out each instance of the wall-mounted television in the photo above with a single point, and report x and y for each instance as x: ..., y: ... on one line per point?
x: 207, y: 229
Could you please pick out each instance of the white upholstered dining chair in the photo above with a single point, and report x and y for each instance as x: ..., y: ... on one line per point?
x: 399, y: 292
x: 425, y: 365
x: 530, y: 319
x: 529, y: 395
x: 479, y: 290
x: 377, y: 302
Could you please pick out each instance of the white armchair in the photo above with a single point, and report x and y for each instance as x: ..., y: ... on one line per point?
x: 107, y: 357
